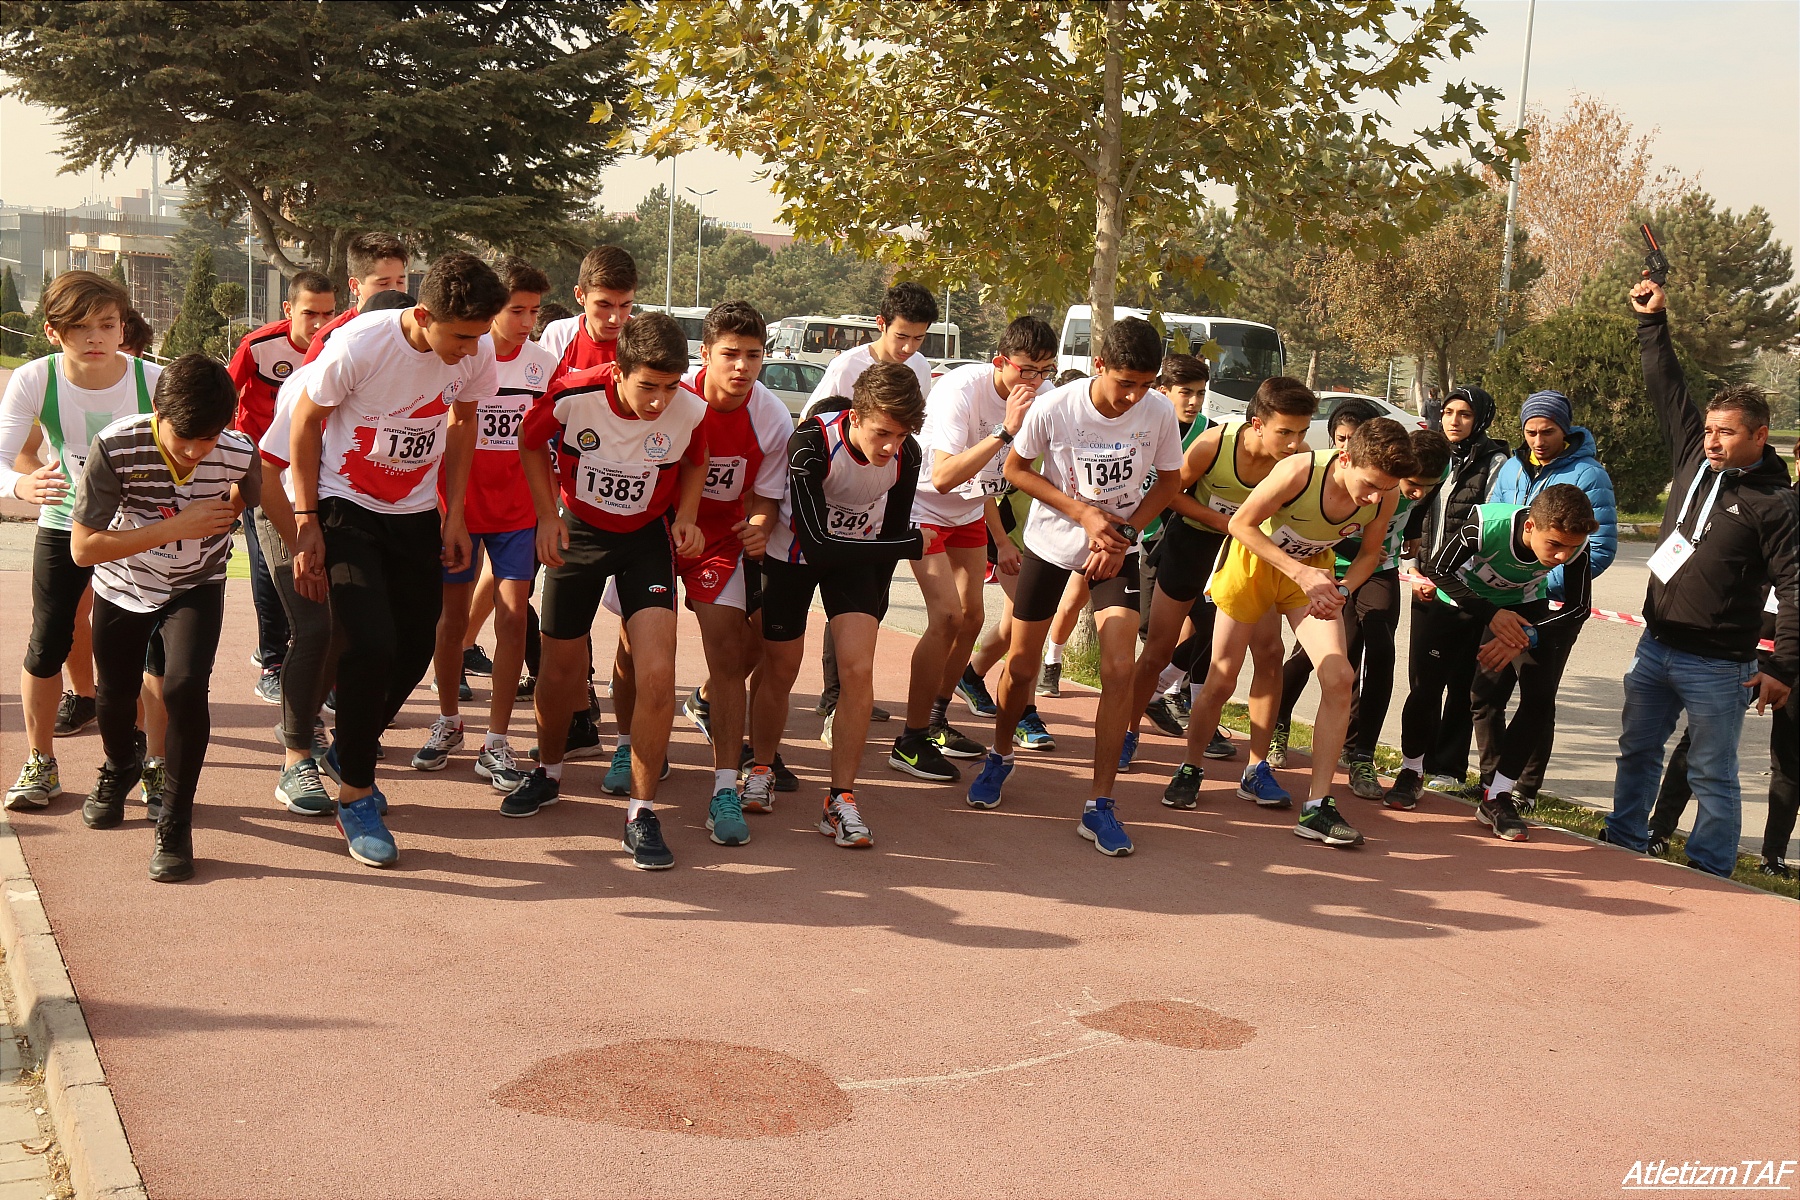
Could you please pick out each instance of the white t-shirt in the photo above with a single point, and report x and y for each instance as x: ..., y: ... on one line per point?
x: 842, y: 372
x: 277, y: 439
x: 558, y: 334
x: 387, y: 435
x: 962, y: 411
x: 81, y: 415
x: 1100, y: 460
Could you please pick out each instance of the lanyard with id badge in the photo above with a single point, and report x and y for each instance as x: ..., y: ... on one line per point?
x: 1675, y: 551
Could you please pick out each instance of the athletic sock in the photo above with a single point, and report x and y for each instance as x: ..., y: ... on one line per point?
x: 724, y: 778
x: 1501, y: 784
x: 1053, y: 654
x: 638, y: 806
x: 1090, y: 806
x: 1007, y: 759
x: 456, y: 722
x: 940, y: 711
x: 1170, y: 676
x: 494, y: 740
x: 554, y: 771
x: 1414, y: 764
x: 834, y: 793
x: 970, y: 677
x: 624, y: 740
x: 1312, y: 804
x: 1194, y: 693
x: 909, y: 733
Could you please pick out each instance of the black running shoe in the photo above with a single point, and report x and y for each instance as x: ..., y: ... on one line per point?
x: 878, y: 713
x: 105, y: 806
x: 73, y: 714
x: 584, y: 738
x: 954, y: 743
x: 1165, y: 716
x: 643, y: 837
x: 917, y: 755
x: 172, y: 856
x: 476, y: 662
x: 527, y: 687
x: 1775, y: 868
x: 1499, y: 815
x: 1658, y: 846
x: 538, y: 791
x: 1221, y: 745
x: 1184, y: 790
x: 1407, y: 789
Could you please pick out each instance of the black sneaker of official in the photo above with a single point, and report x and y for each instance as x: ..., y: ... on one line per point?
x: 643, y: 837
x: 1775, y: 868
x: 268, y: 685
x: 1407, y: 789
x: 172, y: 852
x: 878, y: 713
x: 73, y: 714
x: 1658, y: 846
x: 538, y: 791
x: 105, y: 806
x: 476, y: 662
x: 1165, y: 716
x: 1498, y: 814
x: 917, y: 755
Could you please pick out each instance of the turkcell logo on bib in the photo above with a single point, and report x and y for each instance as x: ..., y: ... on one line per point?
x: 657, y: 446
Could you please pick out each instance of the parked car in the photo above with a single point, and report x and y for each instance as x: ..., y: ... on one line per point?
x: 793, y: 380
x: 1316, y: 437
x: 943, y: 366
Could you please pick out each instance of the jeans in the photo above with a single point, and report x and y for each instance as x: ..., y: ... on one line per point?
x: 1660, y: 683
x: 271, y: 617
x: 1784, y: 784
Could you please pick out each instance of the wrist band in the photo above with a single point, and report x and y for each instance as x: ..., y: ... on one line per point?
x: 306, y: 512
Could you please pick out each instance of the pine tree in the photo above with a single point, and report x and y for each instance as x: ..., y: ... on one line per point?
x: 12, y: 315
x: 198, y: 320
x: 37, y: 345
x: 117, y: 274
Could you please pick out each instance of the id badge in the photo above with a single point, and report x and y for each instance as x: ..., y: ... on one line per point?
x: 1670, y: 555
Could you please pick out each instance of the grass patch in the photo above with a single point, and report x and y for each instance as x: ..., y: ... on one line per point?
x: 12, y: 362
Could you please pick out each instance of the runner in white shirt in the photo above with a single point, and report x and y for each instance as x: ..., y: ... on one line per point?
x: 402, y: 390
x: 970, y: 419
x: 1100, y: 438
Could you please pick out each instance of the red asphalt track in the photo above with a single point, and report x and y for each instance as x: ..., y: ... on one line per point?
x: 1434, y: 1014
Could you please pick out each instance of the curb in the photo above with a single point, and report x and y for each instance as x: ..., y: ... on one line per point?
x: 81, y: 1104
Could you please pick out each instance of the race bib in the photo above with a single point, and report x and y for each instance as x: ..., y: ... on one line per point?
x: 1224, y: 508
x: 174, y: 557
x: 620, y: 488
x: 1670, y: 556
x: 990, y: 482
x: 407, y: 443
x: 1292, y: 543
x: 725, y: 478
x: 497, y: 422
x: 859, y: 523
x: 1104, y: 476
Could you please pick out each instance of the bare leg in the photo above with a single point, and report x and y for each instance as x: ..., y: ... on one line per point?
x: 937, y: 577
x: 1117, y: 629
x: 1168, y: 617
x: 723, y: 633
x: 780, y: 667
x: 653, y: 692
x: 855, y: 634
x: 1266, y: 652
x: 1231, y: 640
x: 510, y: 598
x: 563, y: 669
x: 446, y: 658
x: 481, y: 603
x: 1325, y: 645
x: 80, y: 665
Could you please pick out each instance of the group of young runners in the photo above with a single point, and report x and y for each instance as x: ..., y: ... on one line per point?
x: 409, y: 465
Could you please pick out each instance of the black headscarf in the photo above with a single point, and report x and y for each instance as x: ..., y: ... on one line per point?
x: 1355, y: 407
x: 1483, y: 404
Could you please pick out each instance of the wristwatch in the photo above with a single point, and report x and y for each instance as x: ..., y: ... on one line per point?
x: 1000, y: 432
x: 1128, y: 532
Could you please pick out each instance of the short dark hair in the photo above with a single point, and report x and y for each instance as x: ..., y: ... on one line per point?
x: 367, y: 249
x: 196, y: 397
x: 1564, y: 507
x: 1282, y: 394
x: 610, y: 268
x: 550, y: 311
x: 1183, y: 369
x: 382, y: 301
x: 520, y: 276
x: 1746, y: 400
x: 1132, y: 344
x: 1070, y: 376
x: 892, y: 390
x: 908, y: 302
x: 138, y: 334
x: 313, y: 282
x: 1432, y: 449
x: 1029, y: 337
x: 1382, y: 445
x: 654, y: 340
x: 733, y: 316
x: 1353, y: 409
x: 460, y: 287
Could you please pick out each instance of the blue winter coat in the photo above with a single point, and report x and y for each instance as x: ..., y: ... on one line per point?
x: 1579, y: 464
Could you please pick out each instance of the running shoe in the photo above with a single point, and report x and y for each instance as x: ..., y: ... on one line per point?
x: 1184, y: 789
x: 1100, y: 825
x: 843, y: 822
x: 39, y: 783
x: 1184, y: 700
x: 1278, y: 747
x: 1325, y: 824
x: 583, y: 740
x: 1050, y: 682
x: 1523, y: 802
x: 366, y: 836
x: 1445, y: 785
x: 985, y: 791
x: 1775, y: 867
x: 1031, y: 734
x: 918, y: 755
x: 268, y: 685
x: 593, y: 708
x: 698, y: 710
x: 1259, y: 784
x: 725, y: 818
x: 1404, y: 795
x: 300, y: 790
x: 434, y: 755
x: 785, y: 780
x: 74, y: 713
x: 537, y: 791
x: 975, y: 694
x: 756, y: 790
x: 328, y: 706
x: 825, y: 729
x: 618, y: 773
x: 1363, y: 780
x: 104, y: 807
x: 1656, y: 847
x: 1499, y: 815
x: 643, y: 837
x: 499, y: 767
x: 172, y: 852
x: 329, y: 765
x: 154, y: 787
x: 878, y: 713
x: 463, y: 690
x: 476, y: 661
x: 1221, y: 745
x: 953, y: 742
x: 527, y: 687
x: 1165, y: 716
x: 1128, y: 751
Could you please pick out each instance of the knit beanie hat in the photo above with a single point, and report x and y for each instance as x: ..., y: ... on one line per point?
x: 1553, y: 406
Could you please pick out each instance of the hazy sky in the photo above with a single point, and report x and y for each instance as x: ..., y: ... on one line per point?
x: 1718, y: 80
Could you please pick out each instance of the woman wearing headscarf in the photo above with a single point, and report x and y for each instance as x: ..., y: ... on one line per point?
x: 1436, y: 724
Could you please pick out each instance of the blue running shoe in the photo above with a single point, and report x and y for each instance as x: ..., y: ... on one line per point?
x: 369, y: 841
x: 975, y: 694
x: 1100, y: 825
x: 1259, y: 785
x: 618, y: 775
x: 1127, y: 752
x: 985, y: 791
x: 329, y: 764
x: 1031, y: 734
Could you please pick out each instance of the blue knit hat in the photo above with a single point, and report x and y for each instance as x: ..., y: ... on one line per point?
x: 1553, y: 406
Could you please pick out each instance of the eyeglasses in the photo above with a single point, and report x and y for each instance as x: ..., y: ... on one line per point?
x: 1026, y: 372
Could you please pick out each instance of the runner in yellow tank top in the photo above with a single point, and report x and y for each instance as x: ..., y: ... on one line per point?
x: 1280, y: 562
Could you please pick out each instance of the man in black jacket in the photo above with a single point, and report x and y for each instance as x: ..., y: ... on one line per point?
x: 1729, y: 532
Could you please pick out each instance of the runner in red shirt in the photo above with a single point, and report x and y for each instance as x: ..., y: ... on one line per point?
x: 606, y: 288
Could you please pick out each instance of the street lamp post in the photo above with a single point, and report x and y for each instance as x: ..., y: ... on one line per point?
x: 699, y: 235
x: 1512, y: 189
x: 669, y: 259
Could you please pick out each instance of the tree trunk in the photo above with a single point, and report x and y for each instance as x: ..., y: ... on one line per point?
x: 1312, y: 371
x: 1109, y: 205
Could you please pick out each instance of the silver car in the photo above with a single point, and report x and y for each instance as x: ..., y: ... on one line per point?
x: 792, y: 380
